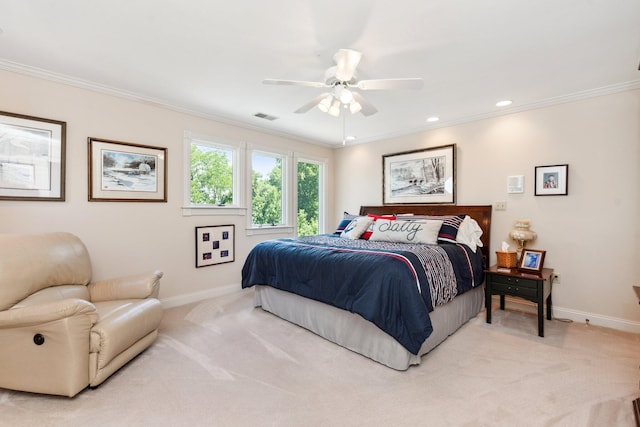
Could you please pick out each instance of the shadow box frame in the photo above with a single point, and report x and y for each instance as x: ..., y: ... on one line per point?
x: 215, y: 244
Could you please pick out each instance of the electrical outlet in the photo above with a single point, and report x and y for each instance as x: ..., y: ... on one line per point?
x: 501, y: 206
x: 556, y: 278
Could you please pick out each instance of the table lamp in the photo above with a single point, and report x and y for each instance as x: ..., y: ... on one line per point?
x: 522, y: 234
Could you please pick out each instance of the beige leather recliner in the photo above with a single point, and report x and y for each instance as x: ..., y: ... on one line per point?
x: 59, y: 332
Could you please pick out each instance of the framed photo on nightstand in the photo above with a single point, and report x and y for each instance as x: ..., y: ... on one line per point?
x: 532, y: 261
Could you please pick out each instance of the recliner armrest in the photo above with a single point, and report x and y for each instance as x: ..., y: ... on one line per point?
x: 48, y: 312
x: 140, y: 286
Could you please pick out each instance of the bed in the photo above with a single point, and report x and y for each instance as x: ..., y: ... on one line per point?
x: 372, y: 297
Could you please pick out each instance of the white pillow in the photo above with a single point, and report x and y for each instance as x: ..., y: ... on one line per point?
x: 469, y: 233
x: 356, y: 227
x: 418, y: 231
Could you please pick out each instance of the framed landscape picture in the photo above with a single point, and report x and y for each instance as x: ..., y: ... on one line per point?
x: 126, y: 172
x: 420, y: 176
x: 32, y: 158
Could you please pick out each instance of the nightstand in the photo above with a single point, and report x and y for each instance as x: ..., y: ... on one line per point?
x: 532, y: 287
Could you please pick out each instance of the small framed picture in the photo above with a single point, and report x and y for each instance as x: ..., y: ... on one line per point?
x: 552, y: 180
x: 531, y: 260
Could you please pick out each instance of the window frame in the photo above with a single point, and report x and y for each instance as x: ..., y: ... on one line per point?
x: 237, y: 149
x: 287, y: 225
x: 322, y: 190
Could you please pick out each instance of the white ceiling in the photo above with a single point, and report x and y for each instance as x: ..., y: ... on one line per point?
x: 209, y: 57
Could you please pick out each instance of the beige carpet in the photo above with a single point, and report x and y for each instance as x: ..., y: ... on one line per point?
x: 221, y: 362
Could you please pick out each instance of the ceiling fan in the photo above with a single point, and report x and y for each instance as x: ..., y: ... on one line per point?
x: 342, y: 80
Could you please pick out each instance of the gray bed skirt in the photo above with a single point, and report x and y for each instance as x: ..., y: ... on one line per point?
x: 357, y: 334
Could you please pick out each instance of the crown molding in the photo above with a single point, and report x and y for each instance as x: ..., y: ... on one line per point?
x: 133, y: 96
x: 543, y: 103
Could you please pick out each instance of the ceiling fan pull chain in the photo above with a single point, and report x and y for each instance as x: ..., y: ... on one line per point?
x: 344, y: 126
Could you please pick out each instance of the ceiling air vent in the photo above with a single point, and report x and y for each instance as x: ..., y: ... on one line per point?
x: 265, y: 116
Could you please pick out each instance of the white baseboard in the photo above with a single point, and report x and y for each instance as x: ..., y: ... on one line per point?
x: 199, y: 296
x: 575, y: 315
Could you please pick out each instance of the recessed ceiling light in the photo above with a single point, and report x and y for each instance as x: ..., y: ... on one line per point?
x: 433, y: 119
x: 503, y: 103
x: 349, y: 138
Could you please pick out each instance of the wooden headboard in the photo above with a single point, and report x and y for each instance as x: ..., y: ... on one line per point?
x: 481, y: 213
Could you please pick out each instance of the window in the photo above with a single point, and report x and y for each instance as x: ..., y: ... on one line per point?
x: 268, y: 190
x: 309, y: 197
x: 278, y: 191
x: 214, y: 171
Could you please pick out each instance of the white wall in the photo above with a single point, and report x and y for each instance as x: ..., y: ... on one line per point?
x: 130, y: 237
x: 591, y: 236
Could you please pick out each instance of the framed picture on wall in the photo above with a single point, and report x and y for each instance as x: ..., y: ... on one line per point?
x: 215, y: 244
x: 126, y: 172
x: 420, y: 176
x: 32, y: 158
x: 552, y: 180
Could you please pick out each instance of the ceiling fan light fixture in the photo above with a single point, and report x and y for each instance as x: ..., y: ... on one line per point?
x: 325, y: 104
x: 335, y: 108
x: 355, y: 107
x: 346, y: 96
x: 340, y: 79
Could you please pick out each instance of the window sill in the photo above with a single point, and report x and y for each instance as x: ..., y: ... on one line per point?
x: 270, y: 229
x: 213, y: 210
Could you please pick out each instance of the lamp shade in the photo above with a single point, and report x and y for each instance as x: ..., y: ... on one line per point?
x: 521, y: 232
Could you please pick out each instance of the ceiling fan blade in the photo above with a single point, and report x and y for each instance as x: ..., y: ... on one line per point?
x: 293, y: 83
x: 382, y: 84
x: 308, y: 106
x: 367, y: 108
x: 347, y: 61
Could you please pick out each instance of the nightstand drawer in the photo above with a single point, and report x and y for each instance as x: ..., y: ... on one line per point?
x: 514, y: 289
x: 514, y: 281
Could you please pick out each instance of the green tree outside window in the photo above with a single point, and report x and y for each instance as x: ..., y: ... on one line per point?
x: 211, y: 176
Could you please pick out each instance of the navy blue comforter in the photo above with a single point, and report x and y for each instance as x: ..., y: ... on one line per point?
x: 393, y: 285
